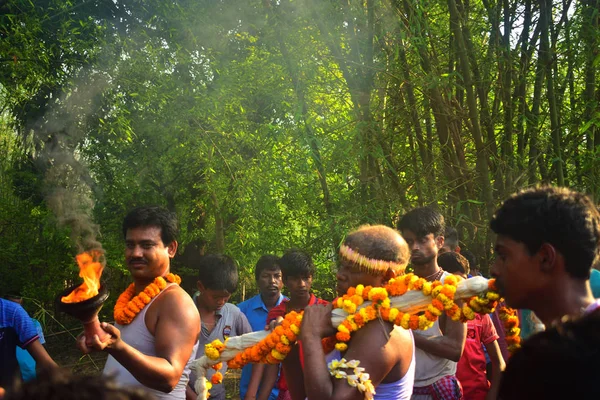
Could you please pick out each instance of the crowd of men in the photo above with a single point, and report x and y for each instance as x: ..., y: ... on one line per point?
x: 547, y: 245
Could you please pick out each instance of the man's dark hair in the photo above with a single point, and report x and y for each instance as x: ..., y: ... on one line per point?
x: 566, y: 219
x: 453, y: 263
x: 61, y: 384
x: 559, y: 363
x: 153, y: 216
x: 296, y: 263
x: 267, y: 262
x: 470, y: 258
x: 218, y: 272
x: 451, y: 238
x: 422, y: 221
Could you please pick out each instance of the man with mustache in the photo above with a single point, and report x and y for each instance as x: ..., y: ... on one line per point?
x: 267, y: 273
x: 548, y: 240
x: 439, y: 348
x: 156, y: 334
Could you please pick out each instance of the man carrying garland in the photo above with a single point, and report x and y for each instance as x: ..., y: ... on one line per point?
x: 440, y: 347
x: 371, y: 256
x: 156, y: 334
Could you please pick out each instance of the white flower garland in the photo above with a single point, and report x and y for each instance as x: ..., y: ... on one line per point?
x: 359, y: 379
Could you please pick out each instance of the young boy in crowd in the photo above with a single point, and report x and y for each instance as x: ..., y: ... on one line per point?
x: 297, y: 269
x: 267, y: 273
x: 471, y: 369
x: 217, y: 281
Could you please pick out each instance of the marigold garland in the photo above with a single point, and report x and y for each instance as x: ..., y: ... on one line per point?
x: 129, y: 305
x: 511, y: 327
x: 443, y: 301
x: 275, y: 347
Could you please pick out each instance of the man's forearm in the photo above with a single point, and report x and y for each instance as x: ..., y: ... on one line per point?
x: 440, y: 346
x: 268, y: 379
x: 154, y: 372
x: 317, y: 382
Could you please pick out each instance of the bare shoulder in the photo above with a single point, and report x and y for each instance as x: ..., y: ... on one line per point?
x: 176, y: 299
x: 173, y: 304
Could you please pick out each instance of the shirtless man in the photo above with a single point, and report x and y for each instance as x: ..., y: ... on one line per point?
x: 155, y: 347
x: 386, y: 352
x: 440, y: 347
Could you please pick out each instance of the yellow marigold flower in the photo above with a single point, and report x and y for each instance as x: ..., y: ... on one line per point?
x: 359, y: 290
x: 207, y: 384
x: 393, y: 314
x: 427, y: 288
x: 412, y: 281
x: 350, y: 320
x: 386, y: 303
x: 451, y: 280
x: 405, y: 323
x: 284, y: 340
x: 434, y: 310
x: 492, y: 296
x: 341, y: 346
x: 217, y: 344
x: 212, y: 353
x: 277, y: 355
x: 468, y: 313
x: 349, y: 307
x: 363, y: 313
x: 424, y: 323
x: 339, y: 302
x: 436, y: 291
x: 295, y: 329
x: 342, y: 328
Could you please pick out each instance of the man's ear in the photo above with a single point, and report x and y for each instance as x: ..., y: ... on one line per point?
x: 439, y: 241
x: 172, y: 249
x: 547, y: 256
x: 200, y: 286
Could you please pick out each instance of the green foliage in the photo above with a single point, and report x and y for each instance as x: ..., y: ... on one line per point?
x: 274, y: 124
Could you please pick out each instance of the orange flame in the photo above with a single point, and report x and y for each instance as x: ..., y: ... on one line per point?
x: 90, y: 269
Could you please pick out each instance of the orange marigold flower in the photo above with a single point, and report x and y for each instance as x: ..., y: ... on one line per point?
x: 414, y: 322
x: 366, y: 291
x: 418, y: 285
x: 438, y: 304
x: 359, y: 320
x: 342, y: 336
x: 430, y: 317
x: 279, y: 330
x: 217, y: 366
x: 282, y: 348
x: 217, y: 378
x: 385, y: 313
x: 290, y: 335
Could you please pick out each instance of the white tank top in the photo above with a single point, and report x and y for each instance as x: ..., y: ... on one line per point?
x: 430, y: 368
x: 136, y: 335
